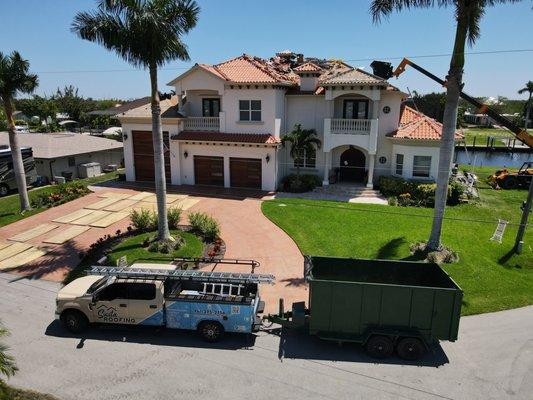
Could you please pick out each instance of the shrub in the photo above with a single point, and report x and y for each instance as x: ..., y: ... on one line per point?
x: 60, y: 194
x: 456, y: 190
x: 304, y: 183
x: 205, y: 225
x: 174, y: 217
x: 144, y: 220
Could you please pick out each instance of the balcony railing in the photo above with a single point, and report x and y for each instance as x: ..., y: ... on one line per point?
x: 202, y: 124
x: 351, y: 126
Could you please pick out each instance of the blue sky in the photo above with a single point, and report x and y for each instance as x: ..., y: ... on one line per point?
x: 343, y: 29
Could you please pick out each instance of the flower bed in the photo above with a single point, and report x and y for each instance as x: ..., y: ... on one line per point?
x: 60, y: 194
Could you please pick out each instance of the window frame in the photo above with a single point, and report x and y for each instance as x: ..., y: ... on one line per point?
x: 356, y: 101
x: 146, y: 284
x: 416, y: 168
x: 250, y: 110
x: 210, y: 101
x: 305, y: 160
x: 397, y: 164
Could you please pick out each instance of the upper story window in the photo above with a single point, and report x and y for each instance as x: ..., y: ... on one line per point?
x: 421, y: 166
x: 306, y: 159
x: 249, y: 110
x: 355, y: 109
x: 399, y: 164
x: 210, y: 107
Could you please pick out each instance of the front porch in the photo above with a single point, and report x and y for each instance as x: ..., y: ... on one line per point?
x: 348, y: 193
x: 349, y: 165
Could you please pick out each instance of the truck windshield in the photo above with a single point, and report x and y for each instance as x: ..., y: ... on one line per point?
x: 97, y: 285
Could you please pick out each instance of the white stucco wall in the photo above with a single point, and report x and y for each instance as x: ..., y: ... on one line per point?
x: 193, y: 106
x: 186, y: 165
x: 411, y: 150
x: 199, y: 79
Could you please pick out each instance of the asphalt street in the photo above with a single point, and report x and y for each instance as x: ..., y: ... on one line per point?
x: 493, y: 359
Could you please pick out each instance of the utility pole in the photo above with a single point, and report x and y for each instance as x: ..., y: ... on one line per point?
x: 519, y: 243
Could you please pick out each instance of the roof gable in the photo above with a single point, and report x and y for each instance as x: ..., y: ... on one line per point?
x: 418, y: 126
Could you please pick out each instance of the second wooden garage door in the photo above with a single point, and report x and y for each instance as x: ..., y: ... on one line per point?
x: 245, y: 172
x: 209, y: 170
x: 143, y: 156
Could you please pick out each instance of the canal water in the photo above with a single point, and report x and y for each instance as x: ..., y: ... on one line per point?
x: 481, y: 158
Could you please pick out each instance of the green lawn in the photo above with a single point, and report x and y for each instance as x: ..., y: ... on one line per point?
x: 481, y: 135
x: 491, y: 276
x: 10, y: 206
x: 134, y: 252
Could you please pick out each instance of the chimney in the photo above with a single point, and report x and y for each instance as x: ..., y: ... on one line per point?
x: 299, y: 59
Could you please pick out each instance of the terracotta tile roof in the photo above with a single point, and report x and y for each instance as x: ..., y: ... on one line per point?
x: 200, y: 136
x: 308, y: 67
x: 417, y: 126
x: 355, y: 76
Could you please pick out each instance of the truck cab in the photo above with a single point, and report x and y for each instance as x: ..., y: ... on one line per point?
x: 159, y: 295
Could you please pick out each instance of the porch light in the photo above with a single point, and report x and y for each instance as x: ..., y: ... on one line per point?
x: 267, y: 158
x: 185, y: 154
x: 125, y: 136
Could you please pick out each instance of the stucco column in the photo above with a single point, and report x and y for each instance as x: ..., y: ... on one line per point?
x: 327, y: 162
x: 371, y: 158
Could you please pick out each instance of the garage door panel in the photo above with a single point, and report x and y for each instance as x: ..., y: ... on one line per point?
x: 143, y: 156
x: 209, y: 170
x: 246, y: 172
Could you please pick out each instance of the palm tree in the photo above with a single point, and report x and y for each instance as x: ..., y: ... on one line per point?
x: 468, y: 14
x: 15, y: 78
x: 7, y: 363
x: 528, y: 88
x: 301, y: 140
x: 145, y: 33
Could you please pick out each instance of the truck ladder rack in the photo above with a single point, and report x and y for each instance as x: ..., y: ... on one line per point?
x: 209, y: 260
x: 193, y: 275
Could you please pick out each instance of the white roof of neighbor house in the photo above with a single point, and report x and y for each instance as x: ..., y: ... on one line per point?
x: 55, y: 145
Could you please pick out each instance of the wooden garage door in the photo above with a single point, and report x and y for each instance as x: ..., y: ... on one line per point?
x: 143, y: 156
x: 245, y: 172
x: 209, y: 170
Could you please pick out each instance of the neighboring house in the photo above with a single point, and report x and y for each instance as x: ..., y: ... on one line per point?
x: 121, y: 108
x: 224, y: 125
x: 57, y: 154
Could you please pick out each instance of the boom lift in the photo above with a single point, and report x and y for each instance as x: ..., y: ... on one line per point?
x: 520, y: 133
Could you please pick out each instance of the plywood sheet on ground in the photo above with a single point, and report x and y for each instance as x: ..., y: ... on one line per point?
x: 22, y: 259
x: 115, y: 195
x: 103, y: 203
x: 171, y: 198
x: 140, y: 196
x: 90, y: 218
x: 13, y: 249
x: 4, y: 245
x: 142, y: 206
x: 185, y: 204
x: 120, y: 205
x: 33, y: 233
x: 109, y: 220
x: 67, y: 234
x: 65, y: 219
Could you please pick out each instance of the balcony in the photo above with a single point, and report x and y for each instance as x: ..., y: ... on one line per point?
x: 202, y: 124
x: 357, y: 132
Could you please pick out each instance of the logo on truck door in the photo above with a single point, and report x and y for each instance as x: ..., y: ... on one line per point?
x: 110, y: 315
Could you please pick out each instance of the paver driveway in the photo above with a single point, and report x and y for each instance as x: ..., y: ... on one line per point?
x: 65, y: 231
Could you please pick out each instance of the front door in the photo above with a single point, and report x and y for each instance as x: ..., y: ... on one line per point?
x: 355, y: 109
x: 210, y: 107
x: 352, y: 165
x: 110, y: 305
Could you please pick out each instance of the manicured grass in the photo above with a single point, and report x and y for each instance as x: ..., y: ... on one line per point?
x: 134, y: 252
x: 481, y: 135
x: 10, y: 205
x: 492, y: 277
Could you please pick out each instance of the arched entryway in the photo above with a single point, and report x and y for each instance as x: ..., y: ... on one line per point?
x: 352, y: 165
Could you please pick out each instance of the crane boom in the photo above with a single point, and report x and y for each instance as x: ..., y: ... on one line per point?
x: 520, y: 133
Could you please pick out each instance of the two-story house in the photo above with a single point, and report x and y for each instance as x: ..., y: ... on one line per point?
x: 224, y: 125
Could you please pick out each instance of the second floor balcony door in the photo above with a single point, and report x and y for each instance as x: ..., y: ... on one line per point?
x: 355, y: 109
x: 210, y: 107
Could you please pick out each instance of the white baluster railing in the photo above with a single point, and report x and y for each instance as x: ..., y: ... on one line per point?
x: 351, y: 126
x: 202, y: 124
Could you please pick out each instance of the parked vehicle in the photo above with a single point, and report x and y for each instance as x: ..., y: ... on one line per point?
x: 382, y: 304
x: 7, y: 174
x: 506, y: 179
x: 22, y: 129
x: 161, y: 295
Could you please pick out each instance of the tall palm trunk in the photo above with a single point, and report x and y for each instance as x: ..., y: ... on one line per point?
x: 159, y: 159
x: 453, y: 88
x: 16, y: 154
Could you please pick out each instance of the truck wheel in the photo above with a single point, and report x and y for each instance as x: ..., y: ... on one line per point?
x: 410, y: 348
x: 74, y: 321
x: 379, y: 347
x: 4, y: 190
x: 210, y: 331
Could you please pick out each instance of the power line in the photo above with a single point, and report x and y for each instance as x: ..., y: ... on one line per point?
x: 350, y: 60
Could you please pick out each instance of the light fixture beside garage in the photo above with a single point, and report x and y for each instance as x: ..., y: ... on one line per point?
x: 125, y: 136
x: 185, y: 154
x: 267, y: 158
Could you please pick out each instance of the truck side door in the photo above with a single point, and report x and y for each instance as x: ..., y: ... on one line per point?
x: 110, y: 305
x: 146, y: 302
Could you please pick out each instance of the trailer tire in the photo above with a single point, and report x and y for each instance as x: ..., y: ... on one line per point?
x: 4, y: 190
x: 379, y: 346
x: 74, y: 321
x: 210, y: 331
x: 410, y: 348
